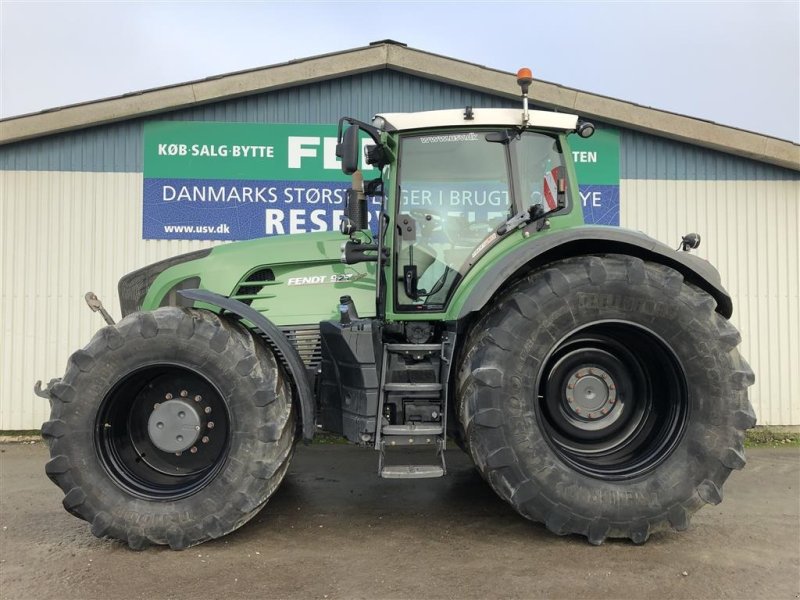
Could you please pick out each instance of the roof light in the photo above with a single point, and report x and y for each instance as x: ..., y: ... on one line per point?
x: 585, y: 129
x: 524, y: 81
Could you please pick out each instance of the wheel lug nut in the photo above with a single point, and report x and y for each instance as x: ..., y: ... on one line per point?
x: 198, y: 398
x: 210, y: 425
x: 184, y: 393
x: 178, y: 453
x: 168, y: 396
x: 156, y: 405
x: 193, y: 450
x: 207, y: 409
x: 205, y: 439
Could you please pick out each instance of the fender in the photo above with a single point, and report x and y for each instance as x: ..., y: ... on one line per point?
x: 592, y: 240
x: 286, y: 353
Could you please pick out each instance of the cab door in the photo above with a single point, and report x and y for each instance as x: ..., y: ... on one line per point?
x: 453, y: 191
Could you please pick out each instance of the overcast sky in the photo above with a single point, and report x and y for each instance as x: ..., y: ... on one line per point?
x: 736, y: 63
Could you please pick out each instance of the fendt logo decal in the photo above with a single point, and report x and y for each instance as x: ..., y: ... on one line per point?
x: 322, y: 279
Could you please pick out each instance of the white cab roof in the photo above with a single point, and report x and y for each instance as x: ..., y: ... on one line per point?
x: 504, y: 117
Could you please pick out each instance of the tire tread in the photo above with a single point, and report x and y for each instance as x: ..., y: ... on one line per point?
x: 273, y: 446
x: 483, y: 388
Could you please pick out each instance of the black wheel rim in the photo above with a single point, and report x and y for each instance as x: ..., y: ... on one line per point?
x: 612, y: 400
x: 162, y: 432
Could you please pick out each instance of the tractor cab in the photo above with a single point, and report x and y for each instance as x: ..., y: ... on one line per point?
x: 454, y: 192
x: 454, y: 184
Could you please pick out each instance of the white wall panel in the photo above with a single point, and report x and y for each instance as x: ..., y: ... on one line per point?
x: 750, y: 233
x: 63, y: 234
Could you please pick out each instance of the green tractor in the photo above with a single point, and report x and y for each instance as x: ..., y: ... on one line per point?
x: 590, y: 372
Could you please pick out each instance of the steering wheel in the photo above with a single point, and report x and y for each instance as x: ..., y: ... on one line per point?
x: 457, y: 230
x: 428, y: 223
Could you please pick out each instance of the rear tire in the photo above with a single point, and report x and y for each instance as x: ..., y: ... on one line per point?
x: 604, y: 396
x: 172, y: 427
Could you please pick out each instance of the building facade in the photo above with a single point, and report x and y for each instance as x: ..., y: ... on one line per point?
x: 72, y: 179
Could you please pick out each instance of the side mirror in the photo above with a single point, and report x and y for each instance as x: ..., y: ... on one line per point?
x: 347, y: 150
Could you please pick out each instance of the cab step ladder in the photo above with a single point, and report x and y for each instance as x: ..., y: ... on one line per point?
x: 415, y: 433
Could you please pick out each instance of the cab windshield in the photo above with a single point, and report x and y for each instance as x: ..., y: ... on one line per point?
x: 455, y: 190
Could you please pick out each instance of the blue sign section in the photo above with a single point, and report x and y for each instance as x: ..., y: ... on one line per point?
x: 600, y: 204
x: 219, y: 209
x: 224, y: 209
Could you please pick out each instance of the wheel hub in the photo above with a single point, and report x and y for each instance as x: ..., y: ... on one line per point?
x: 591, y: 393
x: 174, y: 425
x: 157, y: 440
x: 612, y: 399
x: 591, y: 399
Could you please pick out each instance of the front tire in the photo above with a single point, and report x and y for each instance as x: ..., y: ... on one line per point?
x: 172, y: 427
x: 604, y: 396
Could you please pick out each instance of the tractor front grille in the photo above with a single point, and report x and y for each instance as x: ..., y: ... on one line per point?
x: 253, y: 285
x: 257, y: 285
x: 306, y: 339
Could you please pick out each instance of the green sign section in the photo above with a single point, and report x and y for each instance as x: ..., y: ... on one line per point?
x: 597, y: 158
x: 181, y: 150
x: 242, y: 151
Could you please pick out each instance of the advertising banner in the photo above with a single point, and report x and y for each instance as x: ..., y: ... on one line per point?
x: 236, y: 181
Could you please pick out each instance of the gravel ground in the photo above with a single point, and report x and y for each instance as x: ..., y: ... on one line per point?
x: 335, y: 530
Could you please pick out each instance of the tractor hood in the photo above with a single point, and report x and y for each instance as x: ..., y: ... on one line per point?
x: 294, y: 279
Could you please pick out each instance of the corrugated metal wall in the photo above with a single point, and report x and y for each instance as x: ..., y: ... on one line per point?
x: 118, y: 147
x: 647, y: 157
x: 70, y: 221
x: 749, y: 231
x: 748, y: 214
x: 63, y: 234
